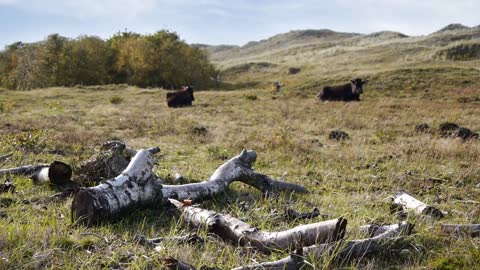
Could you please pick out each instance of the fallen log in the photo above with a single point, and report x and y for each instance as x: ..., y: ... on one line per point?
x: 374, y: 229
x: 57, y: 172
x: 342, y: 251
x: 420, y: 208
x: 136, y: 186
x: 237, y: 231
x: 472, y: 230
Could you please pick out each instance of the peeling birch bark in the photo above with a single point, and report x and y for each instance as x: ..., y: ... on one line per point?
x: 342, y: 251
x: 237, y: 231
x: 472, y: 230
x: 374, y: 229
x: 293, y: 262
x: 420, y: 208
x: 136, y: 187
x: 57, y: 172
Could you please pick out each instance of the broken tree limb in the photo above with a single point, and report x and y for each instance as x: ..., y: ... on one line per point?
x: 239, y: 169
x: 472, y: 230
x: 57, y: 172
x: 421, y: 208
x: 136, y: 186
x: 237, y: 231
x: 342, y: 251
x: 374, y: 229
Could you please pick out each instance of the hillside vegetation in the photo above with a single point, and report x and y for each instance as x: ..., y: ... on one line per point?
x: 410, y: 84
x: 325, y: 55
x: 156, y: 60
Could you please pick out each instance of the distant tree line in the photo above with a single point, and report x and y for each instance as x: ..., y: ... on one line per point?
x: 156, y: 60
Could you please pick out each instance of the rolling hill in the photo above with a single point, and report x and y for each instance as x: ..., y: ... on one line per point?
x: 322, y: 56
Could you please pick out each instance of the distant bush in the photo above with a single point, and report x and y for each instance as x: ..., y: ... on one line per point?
x: 116, y: 100
x: 154, y: 60
x: 463, y: 51
x: 251, y: 97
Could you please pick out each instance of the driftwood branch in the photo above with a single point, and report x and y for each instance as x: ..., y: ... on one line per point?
x: 420, y: 208
x: 57, y: 172
x: 237, y: 231
x: 342, y: 251
x: 472, y: 230
x: 374, y: 229
x: 136, y: 186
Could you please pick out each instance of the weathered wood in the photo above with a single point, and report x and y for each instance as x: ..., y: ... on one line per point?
x: 56, y: 173
x: 472, y: 230
x: 294, y: 261
x: 137, y: 187
x: 374, y: 229
x: 342, y: 251
x: 237, y: 231
x: 134, y: 187
x: 420, y: 208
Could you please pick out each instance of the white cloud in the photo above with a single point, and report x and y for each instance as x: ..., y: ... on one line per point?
x: 85, y: 8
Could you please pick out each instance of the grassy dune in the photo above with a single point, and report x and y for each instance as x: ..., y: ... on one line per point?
x: 289, y: 131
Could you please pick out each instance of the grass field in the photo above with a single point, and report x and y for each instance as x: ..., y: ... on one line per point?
x: 289, y: 131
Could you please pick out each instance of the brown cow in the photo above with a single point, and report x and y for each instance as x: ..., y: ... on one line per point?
x: 181, y: 98
x: 346, y: 92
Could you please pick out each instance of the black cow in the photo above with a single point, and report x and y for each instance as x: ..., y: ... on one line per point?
x: 181, y: 98
x: 346, y: 92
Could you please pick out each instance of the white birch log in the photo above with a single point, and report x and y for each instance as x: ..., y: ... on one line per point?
x: 374, y: 229
x: 342, y: 251
x: 472, y: 230
x: 420, y: 208
x: 136, y: 187
x: 237, y: 231
x: 56, y: 173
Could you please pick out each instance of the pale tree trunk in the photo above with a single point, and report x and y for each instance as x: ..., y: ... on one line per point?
x: 472, y: 230
x: 237, y: 231
x: 57, y: 172
x: 342, y: 252
x: 136, y: 186
x: 420, y: 208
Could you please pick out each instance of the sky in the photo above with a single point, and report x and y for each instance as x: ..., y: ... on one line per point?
x: 226, y: 21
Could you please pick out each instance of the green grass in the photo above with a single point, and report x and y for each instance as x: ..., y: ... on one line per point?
x: 352, y: 178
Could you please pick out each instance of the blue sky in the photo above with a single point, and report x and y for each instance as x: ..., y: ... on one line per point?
x: 226, y: 22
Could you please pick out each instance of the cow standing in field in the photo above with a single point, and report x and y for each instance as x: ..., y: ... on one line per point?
x: 346, y: 92
x: 181, y: 98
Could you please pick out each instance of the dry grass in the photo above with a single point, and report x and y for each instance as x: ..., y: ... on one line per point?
x: 288, y: 131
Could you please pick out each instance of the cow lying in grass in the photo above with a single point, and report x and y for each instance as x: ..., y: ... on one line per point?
x: 181, y: 98
x: 346, y: 92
